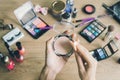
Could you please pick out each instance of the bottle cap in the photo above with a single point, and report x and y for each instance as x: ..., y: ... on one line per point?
x: 18, y: 44
x: 66, y: 15
x: 16, y: 53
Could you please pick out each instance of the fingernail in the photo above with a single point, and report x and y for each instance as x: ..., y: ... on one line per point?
x: 75, y: 44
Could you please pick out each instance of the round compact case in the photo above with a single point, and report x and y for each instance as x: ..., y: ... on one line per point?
x: 62, y: 46
x: 89, y: 9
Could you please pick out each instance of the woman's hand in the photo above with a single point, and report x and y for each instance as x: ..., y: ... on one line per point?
x: 53, y: 63
x: 86, y: 63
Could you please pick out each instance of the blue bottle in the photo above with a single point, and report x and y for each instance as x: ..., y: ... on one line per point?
x: 69, y: 6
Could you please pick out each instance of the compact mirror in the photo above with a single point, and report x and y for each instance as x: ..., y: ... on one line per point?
x: 62, y: 46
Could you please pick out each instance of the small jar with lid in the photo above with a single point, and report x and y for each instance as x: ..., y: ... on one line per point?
x: 66, y: 17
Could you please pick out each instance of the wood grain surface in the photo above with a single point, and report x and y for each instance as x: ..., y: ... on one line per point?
x: 34, y: 60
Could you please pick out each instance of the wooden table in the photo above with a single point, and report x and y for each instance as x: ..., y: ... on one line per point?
x: 35, y: 48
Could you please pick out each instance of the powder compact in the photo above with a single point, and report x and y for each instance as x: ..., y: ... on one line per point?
x: 93, y: 30
x: 89, y: 9
x: 105, y: 52
x: 61, y: 45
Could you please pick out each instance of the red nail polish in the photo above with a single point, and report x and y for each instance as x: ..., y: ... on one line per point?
x: 18, y: 56
x: 8, y: 62
x: 21, y: 49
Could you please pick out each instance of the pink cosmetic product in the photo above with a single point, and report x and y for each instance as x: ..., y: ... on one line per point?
x: 30, y: 21
x: 21, y: 49
x: 18, y: 56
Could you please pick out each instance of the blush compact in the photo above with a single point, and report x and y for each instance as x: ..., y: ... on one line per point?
x: 89, y: 9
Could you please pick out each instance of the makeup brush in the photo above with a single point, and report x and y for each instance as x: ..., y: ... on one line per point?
x: 108, y: 33
x: 110, y: 28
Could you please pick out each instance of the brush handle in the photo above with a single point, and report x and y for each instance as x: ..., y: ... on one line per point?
x: 85, y: 21
x: 108, y: 8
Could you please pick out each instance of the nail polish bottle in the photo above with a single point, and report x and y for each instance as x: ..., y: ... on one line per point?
x: 21, y: 49
x: 11, y: 52
x: 8, y: 62
x: 18, y: 57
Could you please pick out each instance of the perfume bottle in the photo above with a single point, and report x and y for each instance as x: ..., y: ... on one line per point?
x: 69, y: 6
x: 21, y: 49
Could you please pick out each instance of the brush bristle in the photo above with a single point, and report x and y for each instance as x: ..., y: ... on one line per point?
x: 110, y: 28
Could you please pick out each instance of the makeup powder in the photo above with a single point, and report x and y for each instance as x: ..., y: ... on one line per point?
x: 62, y: 46
x: 89, y: 9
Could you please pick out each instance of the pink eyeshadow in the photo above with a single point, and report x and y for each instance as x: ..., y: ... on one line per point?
x: 89, y: 8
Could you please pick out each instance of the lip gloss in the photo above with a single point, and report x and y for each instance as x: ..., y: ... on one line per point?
x: 21, y: 49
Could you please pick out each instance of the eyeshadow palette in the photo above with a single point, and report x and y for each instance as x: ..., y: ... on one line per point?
x: 92, y: 31
x: 34, y: 25
x: 105, y: 52
x: 36, y: 28
x: 13, y: 36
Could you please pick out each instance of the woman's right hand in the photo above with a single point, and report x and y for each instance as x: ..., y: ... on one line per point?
x: 86, y: 63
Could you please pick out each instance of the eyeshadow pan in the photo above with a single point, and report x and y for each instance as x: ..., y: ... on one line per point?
x: 92, y: 36
x: 85, y: 31
x: 101, y: 53
x: 89, y: 33
x: 39, y: 24
x: 100, y: 27
x: 89, y: 28
x: 96, y: 34
x: 92, y: 26
x: 94, y: 23
x: 99, y: 31
x: 36, y: 30
x: 114, y: 47
x: 95, y: 28
x: 108, y: 51
x: 92, y: 31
